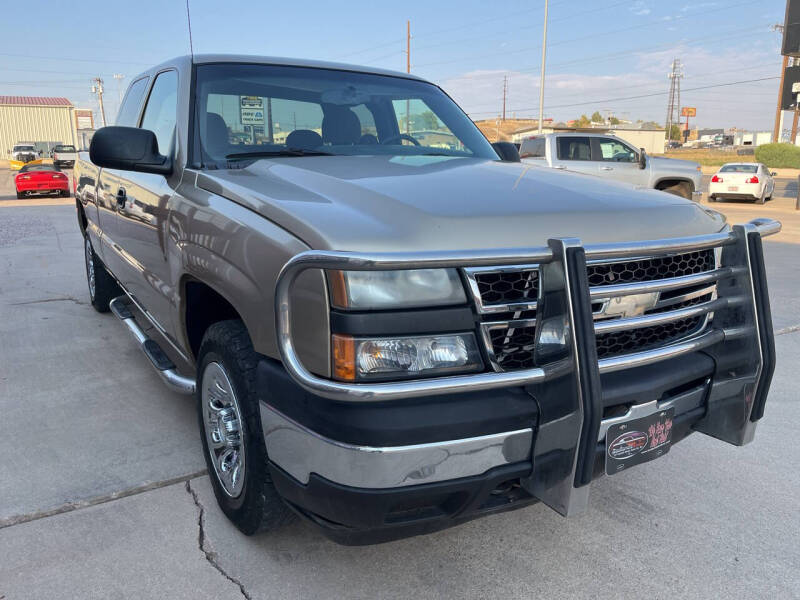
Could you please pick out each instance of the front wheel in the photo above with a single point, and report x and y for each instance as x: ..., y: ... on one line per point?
x: 231, y: 433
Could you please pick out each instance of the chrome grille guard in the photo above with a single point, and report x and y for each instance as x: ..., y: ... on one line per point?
x: 569, y: 379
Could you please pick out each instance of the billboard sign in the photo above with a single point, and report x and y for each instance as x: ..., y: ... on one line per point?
x: 688, y: 111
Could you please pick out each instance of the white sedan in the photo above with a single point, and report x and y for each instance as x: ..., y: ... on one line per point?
x: 742, y: 181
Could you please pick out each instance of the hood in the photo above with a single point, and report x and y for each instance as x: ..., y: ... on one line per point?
x: 391, y: 204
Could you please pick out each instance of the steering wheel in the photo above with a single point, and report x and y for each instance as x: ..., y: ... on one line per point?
x: 402, y: 136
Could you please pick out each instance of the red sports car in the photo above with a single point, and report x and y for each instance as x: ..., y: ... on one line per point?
x: 41, y: 179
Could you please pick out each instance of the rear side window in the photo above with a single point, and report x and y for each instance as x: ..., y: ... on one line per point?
x: 532, y: 148
x: 129, y: 109
x: 160, y: 114
x: 574, y: 148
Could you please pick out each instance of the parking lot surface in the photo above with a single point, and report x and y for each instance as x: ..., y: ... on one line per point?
x: 103, y: 492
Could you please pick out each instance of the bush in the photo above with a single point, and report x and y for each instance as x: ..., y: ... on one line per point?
x: 779, y: 155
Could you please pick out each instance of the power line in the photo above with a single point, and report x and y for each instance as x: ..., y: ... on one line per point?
x: 606, y: 100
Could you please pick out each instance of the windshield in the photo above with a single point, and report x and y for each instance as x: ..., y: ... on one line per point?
x: 739, y: 169
x: 64, y: 149
x: 246, y: 112
x: 29, y: 168
x: 23, y: 149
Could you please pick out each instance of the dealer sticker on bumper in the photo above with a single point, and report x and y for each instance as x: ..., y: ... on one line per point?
x: 637, y: 441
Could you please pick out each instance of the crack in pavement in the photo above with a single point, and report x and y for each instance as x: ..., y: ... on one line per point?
x: 60, y: 299
x: 210, y: 555
x: 70, y: 506
x: 790, y: 329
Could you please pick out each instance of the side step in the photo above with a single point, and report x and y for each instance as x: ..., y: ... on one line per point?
x: 163, y: 365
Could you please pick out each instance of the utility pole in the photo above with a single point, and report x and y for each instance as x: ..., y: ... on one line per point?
x: 119, y: 77
x: 408, y: 70
x: 97, y: 88
x: 776, y: 131
x: 541, y: 76
x: 505, y: 93
x: 674, y: 105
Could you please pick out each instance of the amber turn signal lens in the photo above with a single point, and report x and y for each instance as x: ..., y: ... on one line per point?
x: 338, y: 289
x: 344, y: 357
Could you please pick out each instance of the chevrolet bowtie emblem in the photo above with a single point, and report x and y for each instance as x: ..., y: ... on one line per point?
x: 628, y: 306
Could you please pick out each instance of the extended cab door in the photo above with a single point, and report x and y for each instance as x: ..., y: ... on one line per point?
x: 616, y: 160
x: 108, y: 181
x: 143, y: 209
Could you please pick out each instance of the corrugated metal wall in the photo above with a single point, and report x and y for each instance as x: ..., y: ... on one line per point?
x: 36, y: 124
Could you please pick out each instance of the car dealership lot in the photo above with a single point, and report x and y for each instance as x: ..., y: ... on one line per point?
x: 102, y: 492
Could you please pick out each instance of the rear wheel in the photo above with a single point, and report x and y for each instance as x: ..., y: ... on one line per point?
x: 231, y: 433
x: 762, y: 199
x: 20, y: 195
x: 712, y: 198
x: 102, y: 286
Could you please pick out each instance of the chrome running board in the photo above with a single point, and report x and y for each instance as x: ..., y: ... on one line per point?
x: 163, y: 365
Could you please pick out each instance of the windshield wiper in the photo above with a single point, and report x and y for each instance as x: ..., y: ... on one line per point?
x: 284, y: 152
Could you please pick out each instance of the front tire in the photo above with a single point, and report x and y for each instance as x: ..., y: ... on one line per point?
x: 231, y: 433
x: 102, y: 286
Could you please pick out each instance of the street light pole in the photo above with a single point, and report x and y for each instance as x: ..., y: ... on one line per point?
x: 541, y: 77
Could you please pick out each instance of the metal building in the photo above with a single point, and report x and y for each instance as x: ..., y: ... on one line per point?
x: 43, y: 121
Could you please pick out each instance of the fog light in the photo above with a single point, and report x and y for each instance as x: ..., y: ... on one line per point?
x: 405, y: 357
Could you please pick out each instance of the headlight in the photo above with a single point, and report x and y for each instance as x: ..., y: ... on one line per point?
x: 366, y: 290
x: 404, y: 357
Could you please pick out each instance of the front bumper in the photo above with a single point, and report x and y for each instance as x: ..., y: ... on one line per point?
x: 717, y: 380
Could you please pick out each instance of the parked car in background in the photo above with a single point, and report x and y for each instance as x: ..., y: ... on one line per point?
x: 742, y: 181
x: 38, y: 180
x: 64, y: 155
x: 608, y: 156
x: 24, y: 152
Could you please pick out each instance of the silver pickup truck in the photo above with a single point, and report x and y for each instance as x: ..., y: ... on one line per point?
x: 611, y: 157
x: 391, y: 326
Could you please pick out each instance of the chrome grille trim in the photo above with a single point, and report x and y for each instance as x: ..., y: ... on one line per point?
x: 613, y: 325
x: 470, y: 274
x: 600, y: 293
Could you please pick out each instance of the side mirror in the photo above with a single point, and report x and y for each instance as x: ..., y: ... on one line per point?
x: 128, y: 149
x: 507, y: 151
x: 642, y: 158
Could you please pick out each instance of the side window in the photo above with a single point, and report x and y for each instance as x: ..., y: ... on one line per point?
x: 611, y: 150
x: 533, y: 148
x: 129, y: 109
x: 574, y: 148
x: 160, y: 114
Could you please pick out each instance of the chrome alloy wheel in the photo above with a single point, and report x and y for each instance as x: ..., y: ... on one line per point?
x: 90, y: 266
x: 222, y: 422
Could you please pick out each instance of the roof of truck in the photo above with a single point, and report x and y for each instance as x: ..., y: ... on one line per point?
x: 200, y: 59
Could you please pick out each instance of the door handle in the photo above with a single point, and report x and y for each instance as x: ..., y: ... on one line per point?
x: 121, y: 198
x: 560, y: 167
x: 606, y: 168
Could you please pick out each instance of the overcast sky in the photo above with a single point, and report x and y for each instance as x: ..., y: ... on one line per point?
x: 601, y: 55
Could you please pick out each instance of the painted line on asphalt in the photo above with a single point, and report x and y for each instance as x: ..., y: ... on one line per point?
x: 70, y: 506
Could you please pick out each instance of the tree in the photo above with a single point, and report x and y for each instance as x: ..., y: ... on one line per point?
x: 597, y: 117
x: 675, y: 132
x: 583, y: 121
x: 613, y: 121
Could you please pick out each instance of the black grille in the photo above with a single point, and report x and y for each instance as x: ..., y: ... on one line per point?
x: 503, y: 288
x: 644, y: 338
x: 651, y: 269
x: 513, y: 347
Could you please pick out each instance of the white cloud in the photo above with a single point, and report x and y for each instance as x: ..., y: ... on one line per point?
x: 640, y: 8
x: 748, y: 106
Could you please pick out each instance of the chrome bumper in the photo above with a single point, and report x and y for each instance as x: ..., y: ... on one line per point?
x: 568, y: 381
x: 300, y: 452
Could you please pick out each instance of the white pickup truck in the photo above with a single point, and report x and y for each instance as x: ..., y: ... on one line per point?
x: 606, y: 155
x: 64, y: 155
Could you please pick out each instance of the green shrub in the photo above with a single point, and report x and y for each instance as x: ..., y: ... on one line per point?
x: 779, y: 155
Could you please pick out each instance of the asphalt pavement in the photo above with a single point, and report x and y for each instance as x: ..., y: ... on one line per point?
x: 103, y: 492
